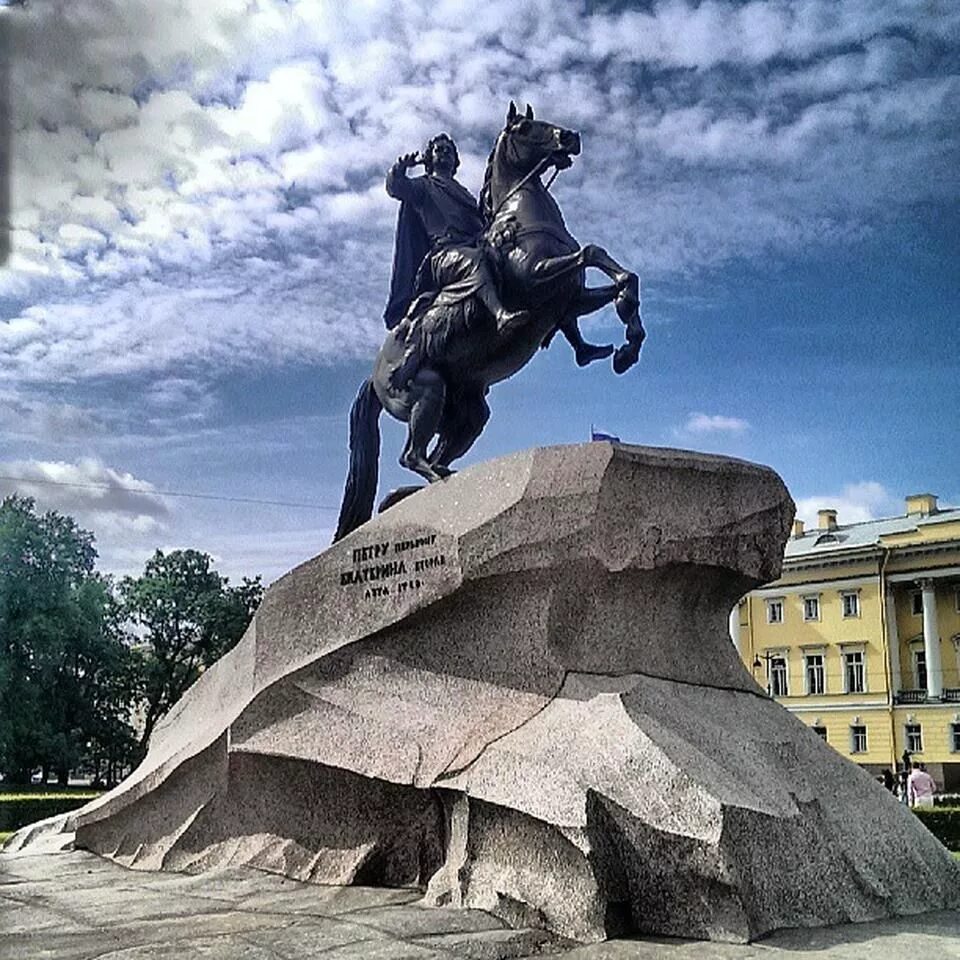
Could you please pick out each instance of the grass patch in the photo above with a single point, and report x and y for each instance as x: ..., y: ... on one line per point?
x: 3, y: 836
x: 21, y: 807
x: 58, y: 794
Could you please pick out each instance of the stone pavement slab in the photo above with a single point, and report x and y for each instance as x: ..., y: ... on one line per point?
x: 72, y: 905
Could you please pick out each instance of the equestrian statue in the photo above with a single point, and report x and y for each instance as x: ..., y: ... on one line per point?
x: 476, y: 289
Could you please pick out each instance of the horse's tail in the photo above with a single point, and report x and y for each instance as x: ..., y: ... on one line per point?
x: 361, y: 487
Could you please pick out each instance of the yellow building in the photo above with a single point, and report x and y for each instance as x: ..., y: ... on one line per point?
x: 860, y: 636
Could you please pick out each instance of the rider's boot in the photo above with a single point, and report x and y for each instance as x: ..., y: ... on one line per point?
x: 584, y: 352
x: 410, y: 363
x: 407, y: 370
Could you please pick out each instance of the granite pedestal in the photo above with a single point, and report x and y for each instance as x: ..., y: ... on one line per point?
x: 515, y: 690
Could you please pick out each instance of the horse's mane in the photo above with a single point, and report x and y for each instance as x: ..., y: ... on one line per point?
x: 485, y: 202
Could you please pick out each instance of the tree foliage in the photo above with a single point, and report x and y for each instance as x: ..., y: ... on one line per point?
x: 188, y: 616
x: 60, y: 641
x: 84, y: 661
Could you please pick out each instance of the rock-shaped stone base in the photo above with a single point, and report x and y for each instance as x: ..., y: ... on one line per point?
x: 516, y: 689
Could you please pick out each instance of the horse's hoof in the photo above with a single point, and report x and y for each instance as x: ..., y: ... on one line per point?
x: 625, y: 357
x: 589, y: 353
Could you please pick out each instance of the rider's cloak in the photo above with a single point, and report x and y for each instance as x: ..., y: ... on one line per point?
x: 410, y: 247
x: 433, y: 210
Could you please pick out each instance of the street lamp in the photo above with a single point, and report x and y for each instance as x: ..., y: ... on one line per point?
x: 766, y: 657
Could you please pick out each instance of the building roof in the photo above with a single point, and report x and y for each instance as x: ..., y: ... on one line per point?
x: 854, y: 536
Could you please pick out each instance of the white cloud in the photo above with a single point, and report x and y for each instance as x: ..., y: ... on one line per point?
x: 162, y: 147
x: 700, y: 423
x: 100, y: 498
x: 856, y: 503
x: 37, y: 419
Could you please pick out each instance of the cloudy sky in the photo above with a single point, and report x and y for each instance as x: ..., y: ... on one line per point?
x: 199, y: 244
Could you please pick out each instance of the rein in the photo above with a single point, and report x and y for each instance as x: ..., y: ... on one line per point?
x: 537, y: 169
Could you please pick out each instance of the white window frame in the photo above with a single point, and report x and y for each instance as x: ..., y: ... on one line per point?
x: 853, y: 595
x: 853, y: 738
x: 914, y: 729
x: 953, y: 732
x: 780, y: 655
x: 813, y: 615
x: 918, y: 659
x: 775, y: 603
x: 852, y: 650
x: 916, y: 608
x: 807, y: 654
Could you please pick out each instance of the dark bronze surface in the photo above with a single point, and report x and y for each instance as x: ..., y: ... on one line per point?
x: 476, y: 289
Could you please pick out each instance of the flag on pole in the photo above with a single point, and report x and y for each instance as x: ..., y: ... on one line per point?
x: 596, y: 435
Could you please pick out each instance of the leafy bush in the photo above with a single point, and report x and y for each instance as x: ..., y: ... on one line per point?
x: 943, y: 823
x: 19, y: 809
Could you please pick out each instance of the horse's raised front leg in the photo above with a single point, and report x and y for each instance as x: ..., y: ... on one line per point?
x: 592, y: 299
x: 428, y: 393
x: 626, y: 300
x: 548, y: 269
x: 589, y: 300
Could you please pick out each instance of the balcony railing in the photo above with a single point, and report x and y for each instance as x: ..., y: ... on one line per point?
x: 951, y: 695
x: 910, y: 696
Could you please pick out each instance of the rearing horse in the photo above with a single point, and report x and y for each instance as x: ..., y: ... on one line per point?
x: 543, y: 274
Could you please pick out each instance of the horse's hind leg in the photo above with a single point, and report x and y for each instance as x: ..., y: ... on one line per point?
x: 463, y: 421
x: 428, y: 393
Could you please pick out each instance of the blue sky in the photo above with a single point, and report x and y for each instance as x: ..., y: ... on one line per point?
x: 201, y: 245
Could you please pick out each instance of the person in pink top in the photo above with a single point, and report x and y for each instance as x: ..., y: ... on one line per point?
x: 920, y: 787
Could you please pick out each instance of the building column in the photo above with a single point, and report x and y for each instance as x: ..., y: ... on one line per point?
x: 735, y: 626
x: 931, y: 641
x: 893, y: 642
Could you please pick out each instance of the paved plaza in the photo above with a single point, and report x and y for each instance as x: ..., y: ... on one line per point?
x: 73, y: 905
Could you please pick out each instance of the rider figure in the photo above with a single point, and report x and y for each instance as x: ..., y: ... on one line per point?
x: 439, y: 252
x: 439, y: 220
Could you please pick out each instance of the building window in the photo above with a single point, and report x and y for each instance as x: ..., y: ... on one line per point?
x: 916, y: 603
x: 956, y: 598
x: 821, y: 732
x: 777, y: 676
x: 775, y: 611
x: 811, y: 608
x: 815, y: 677
x: 955, y: 737
x: 920, y: 669
x: 851, y: 604
x: 914, y: 737
x: 858, y: 738
x: 853, y: 672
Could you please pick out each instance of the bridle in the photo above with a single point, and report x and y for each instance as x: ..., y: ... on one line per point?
x: 538, y: 168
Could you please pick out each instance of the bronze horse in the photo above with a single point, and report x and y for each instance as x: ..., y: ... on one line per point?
x: 542, y: 269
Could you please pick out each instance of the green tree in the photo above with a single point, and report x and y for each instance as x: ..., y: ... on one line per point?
x: 106, y: 679
x: 65, y: 682
x: 188, y: 616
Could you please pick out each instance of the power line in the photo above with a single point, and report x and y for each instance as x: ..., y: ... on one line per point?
x: 173, y: 493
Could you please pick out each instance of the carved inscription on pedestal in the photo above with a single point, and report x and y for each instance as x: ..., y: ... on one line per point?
x: 393, y: 567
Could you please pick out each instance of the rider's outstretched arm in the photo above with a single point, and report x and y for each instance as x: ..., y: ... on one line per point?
x: 399, y: 186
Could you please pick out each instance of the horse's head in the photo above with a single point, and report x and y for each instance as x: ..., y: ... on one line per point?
x: 528, y: 143
x: 525, y: 148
